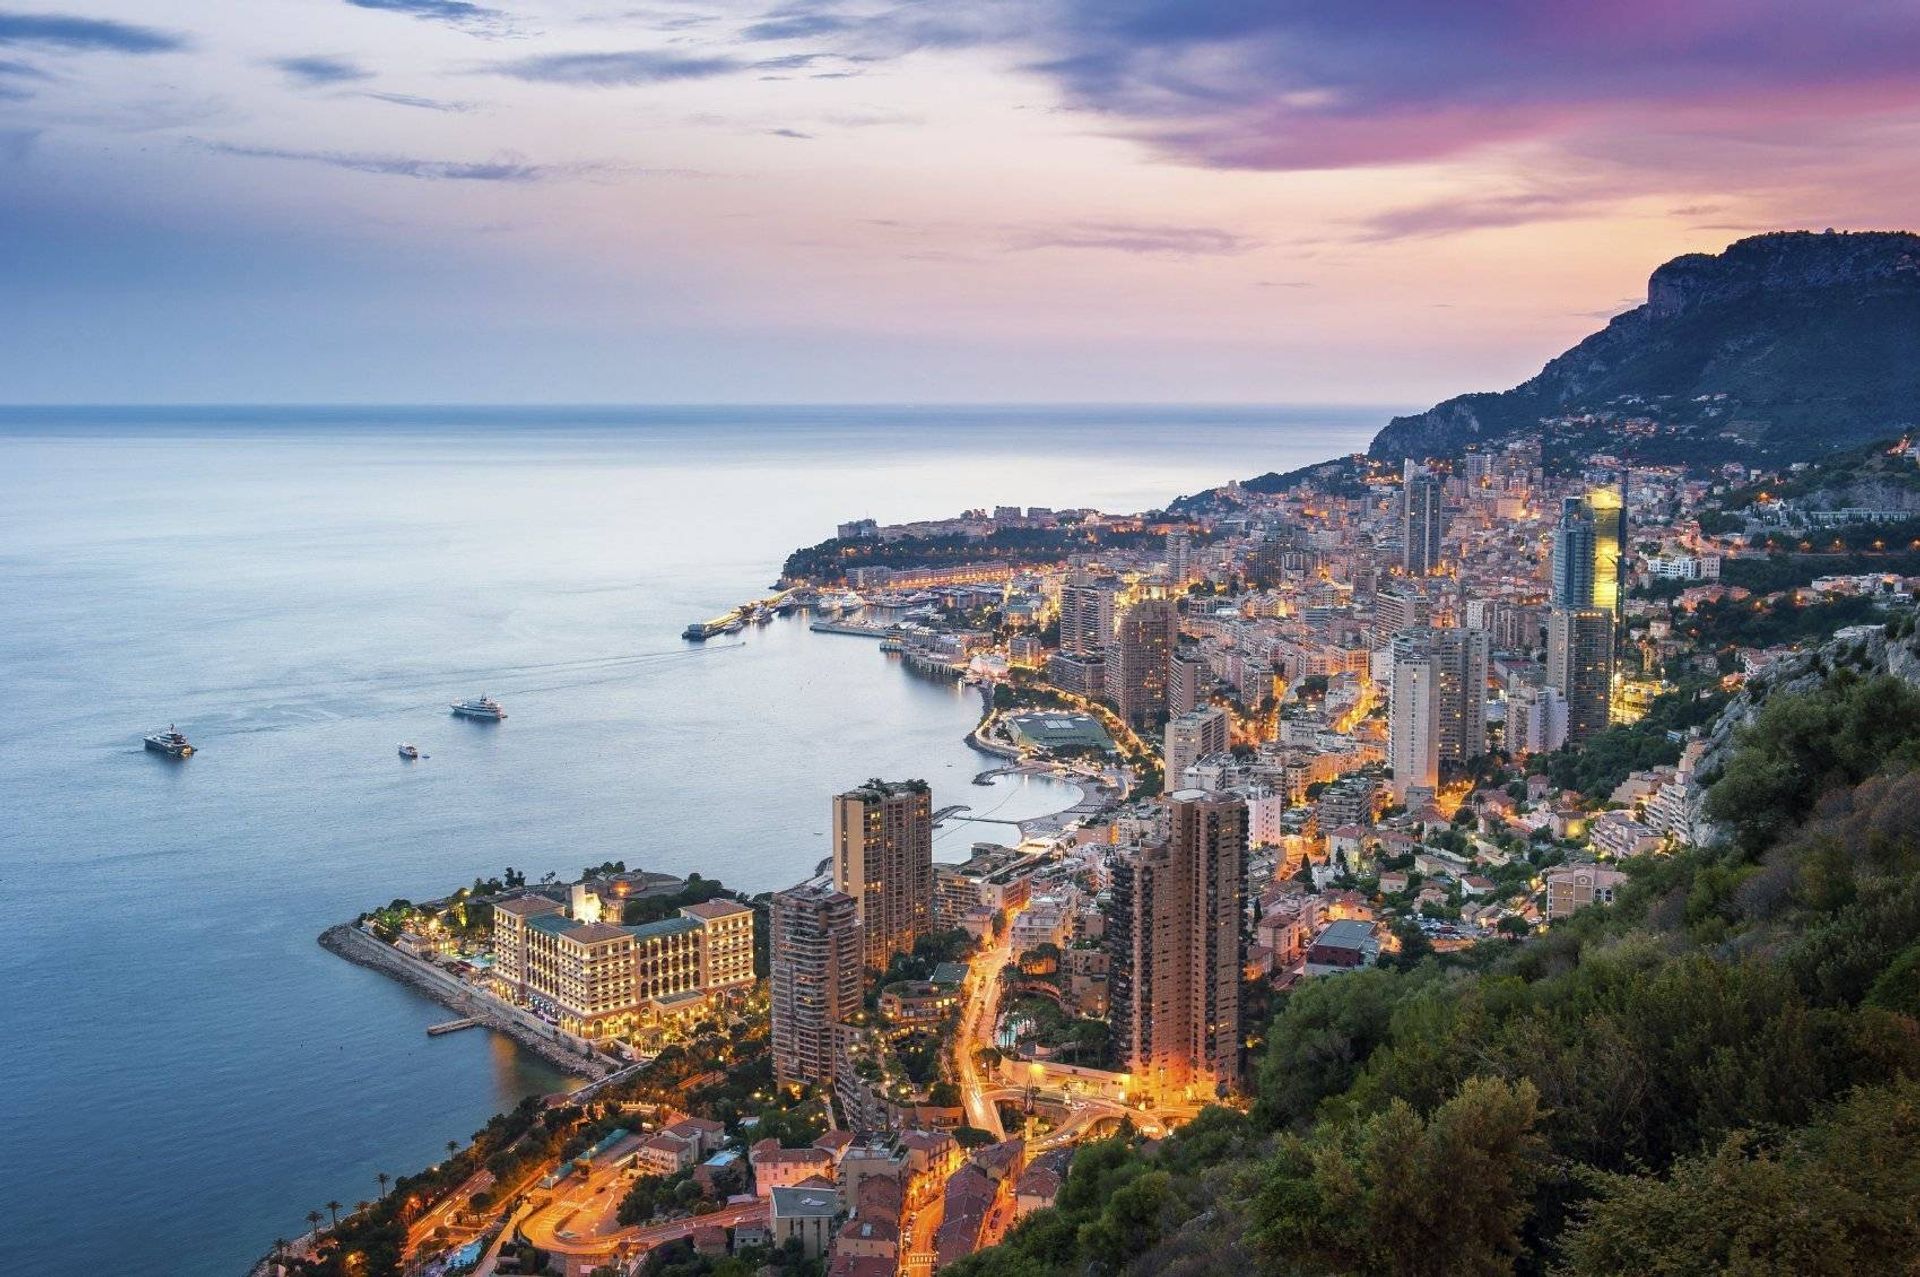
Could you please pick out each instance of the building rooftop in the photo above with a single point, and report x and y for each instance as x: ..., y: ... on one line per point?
x: 526, y: 906
x: 664, y: 927
x: 1345, y: 934
x: 558, y: 924
x: 805, y: 1203
x: 590, y: 932
x: 710, y: 909
x: 1053, y: 729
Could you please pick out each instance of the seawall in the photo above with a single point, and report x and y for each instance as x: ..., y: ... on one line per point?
x: 356, y: 946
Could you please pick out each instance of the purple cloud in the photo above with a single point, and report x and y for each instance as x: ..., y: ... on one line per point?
x: 457, y: 12
x: 1302, y: 84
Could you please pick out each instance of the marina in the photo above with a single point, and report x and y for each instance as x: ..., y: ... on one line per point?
x: 758, y: 612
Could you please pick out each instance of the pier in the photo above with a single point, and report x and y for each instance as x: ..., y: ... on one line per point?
x: 946, y: 813
x: 454, y: 1026
x: 779, y: 601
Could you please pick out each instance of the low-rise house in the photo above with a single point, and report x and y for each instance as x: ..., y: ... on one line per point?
x: 861, y: 1266
x: 776, y: 1167
x: 872, y: 1238
x: 705, y: 1135
x: 1039, y: 1185
x: 1343, y: 946
x: 969, y: 1196
x: 665, y: 1154
x: 1574, y: 887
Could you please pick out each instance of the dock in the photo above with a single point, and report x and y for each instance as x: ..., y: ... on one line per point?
x: 779, y: 602
x: 454, y: 1026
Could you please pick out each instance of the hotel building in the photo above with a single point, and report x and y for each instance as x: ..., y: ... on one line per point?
x: 598, y: 979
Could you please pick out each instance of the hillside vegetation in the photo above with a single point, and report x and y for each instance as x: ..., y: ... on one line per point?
x: 1718, y: 1074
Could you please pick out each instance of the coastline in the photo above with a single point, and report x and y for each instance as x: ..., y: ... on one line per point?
x: 347, y: 941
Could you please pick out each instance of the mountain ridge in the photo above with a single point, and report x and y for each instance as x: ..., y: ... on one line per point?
x: 1781, y: 346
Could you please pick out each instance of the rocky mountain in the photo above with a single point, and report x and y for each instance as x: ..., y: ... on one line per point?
x: 1781, y: 347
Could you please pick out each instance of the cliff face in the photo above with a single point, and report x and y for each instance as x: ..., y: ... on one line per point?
x: 1784, y: 345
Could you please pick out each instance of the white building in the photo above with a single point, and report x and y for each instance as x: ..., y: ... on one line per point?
x: 1191, y: 737
x: 1414, y: 725
x: 1536, y: 721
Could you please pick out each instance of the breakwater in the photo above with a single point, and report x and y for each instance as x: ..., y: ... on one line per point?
x: 559, y: 1049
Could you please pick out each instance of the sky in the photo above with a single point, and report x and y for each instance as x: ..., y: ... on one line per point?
x: 573, y: 201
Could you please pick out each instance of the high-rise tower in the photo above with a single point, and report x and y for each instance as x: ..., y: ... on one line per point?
x: 1086, y: 619
x: 1144, y: 658
x: 1580, y: 666
x: 1175, y: 948
x: 816, y: 979
x: 883, y: 858
x: 1421, y: 518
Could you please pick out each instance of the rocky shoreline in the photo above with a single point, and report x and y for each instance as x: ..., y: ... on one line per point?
x: 348, y: 941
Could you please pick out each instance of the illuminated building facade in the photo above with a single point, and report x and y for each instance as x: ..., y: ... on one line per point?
x: 1589, y: 548
x: 816, y: 979
x: 1580, y: 666
x: 1086, y: 618
x: 598, y: 979
x: 1422, y: 521
x: 883, y: 858
x: 1143, y: 661
x: 1175, y: 951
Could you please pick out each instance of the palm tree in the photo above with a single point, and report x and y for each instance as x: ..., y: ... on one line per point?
x: 279, y: 1253
x: 363, y: 1207
x: 453, y: 1148
x: 334, y: 1209
x: 313, y: 1218
x: 384, y: 1179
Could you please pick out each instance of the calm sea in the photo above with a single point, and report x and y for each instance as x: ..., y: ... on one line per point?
x: 184, y: 1073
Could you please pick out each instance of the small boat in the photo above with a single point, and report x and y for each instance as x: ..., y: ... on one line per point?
x: 482, y: 707
x: 171, y: 743
x: 734, y: 626
x: 409, y: 751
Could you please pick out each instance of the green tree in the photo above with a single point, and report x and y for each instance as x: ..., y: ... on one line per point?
x: 1804, y: 745
x: 1836, y: 1198
x: 1396, y: 1194
x: 1133, y: 1221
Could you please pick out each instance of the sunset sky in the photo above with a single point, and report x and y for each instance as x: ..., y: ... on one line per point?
x: 1021, y: 200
